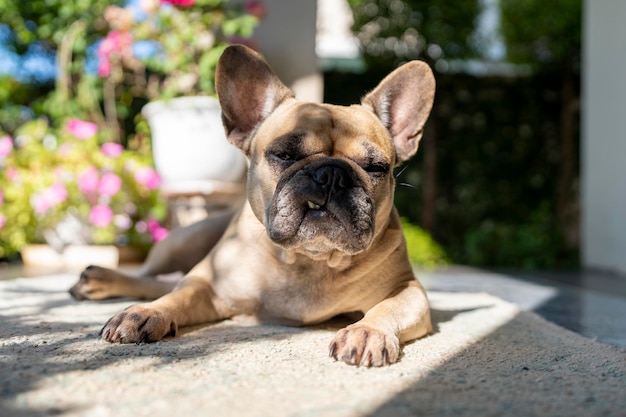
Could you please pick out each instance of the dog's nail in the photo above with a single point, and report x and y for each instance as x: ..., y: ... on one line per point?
x: 367, y: 360
x: 385, y: 356
x: 173, y: 330
x: 333, y: 348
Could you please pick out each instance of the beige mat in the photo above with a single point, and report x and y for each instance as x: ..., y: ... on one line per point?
x: 486, y: 359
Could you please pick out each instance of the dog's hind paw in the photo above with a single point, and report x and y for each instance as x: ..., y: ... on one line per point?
x: 95, y: 283
x: 361, y: 345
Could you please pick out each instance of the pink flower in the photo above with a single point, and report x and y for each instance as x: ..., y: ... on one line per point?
x: 3, y: 220
x: 255, y: 8
x: 115, y: 42
x: 111, y: 149
x: 159, y: 233
x: 81, y: 129
x: 148, y: 177
x: 88, y: 180
x: 118, y: 43
x: 12, y: 174
x: 56, y: 194
x: 109, y: 185
x: 48, y: 198
x: 104, y: 68
x: 101, y: 215
x: 6, y: 146
x: 152, y: 225
x: 180, y: 3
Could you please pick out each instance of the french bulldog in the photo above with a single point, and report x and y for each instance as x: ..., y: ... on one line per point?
x: 318, y: 235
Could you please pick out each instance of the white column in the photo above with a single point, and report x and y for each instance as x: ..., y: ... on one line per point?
x: 287, y: 40
x: 603, y: 149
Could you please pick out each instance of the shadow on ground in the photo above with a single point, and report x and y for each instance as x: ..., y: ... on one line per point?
x: 486, y: 358
x: 520, y: 369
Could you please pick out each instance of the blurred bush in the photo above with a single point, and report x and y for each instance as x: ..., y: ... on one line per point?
x: 422, y: 248
x: 75, y: 153
x: 496, y: 178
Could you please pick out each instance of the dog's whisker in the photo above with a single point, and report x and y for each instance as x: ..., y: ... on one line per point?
x: 404, y: 168
x: 406, y: 184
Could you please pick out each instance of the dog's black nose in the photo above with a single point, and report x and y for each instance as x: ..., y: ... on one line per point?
x: 332, y: 178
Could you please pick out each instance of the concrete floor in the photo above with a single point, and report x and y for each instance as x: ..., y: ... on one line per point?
x: 592, y: 304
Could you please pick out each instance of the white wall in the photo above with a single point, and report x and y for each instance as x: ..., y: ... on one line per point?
x: 286, y: 37
x: 604, y: 135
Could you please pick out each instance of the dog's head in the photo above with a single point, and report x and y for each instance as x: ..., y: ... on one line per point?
x: 321, y: 176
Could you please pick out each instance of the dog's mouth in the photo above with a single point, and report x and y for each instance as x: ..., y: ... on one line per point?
x: 315, y: 212
x: 313, y: 206
x: 308, y: 214
x: 318, y: 229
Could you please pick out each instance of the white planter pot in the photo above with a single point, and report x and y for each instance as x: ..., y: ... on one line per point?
x: 74, y: 257
x: 189, y: 144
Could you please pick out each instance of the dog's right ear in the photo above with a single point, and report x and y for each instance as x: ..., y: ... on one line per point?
x: 248, y: 92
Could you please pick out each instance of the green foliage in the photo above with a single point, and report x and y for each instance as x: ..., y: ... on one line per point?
x: 66, y: 28
x: 543, y: 33
x: 48, y: 20
x: 498, y: 141
x: 498, y: 152
x: 529, y: 245
x: 17, y: 102
x: 186, y: 41
x: 395, y: 31
x: 422, y: 248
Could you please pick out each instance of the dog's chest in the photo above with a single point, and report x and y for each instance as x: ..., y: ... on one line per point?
x: 297, y: 295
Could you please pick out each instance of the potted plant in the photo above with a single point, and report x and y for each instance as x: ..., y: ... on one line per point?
x: 168, y: 51
x: 66, y: 187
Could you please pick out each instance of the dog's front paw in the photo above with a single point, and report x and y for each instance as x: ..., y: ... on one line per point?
x: 139, y: 324
x: 361, y: 345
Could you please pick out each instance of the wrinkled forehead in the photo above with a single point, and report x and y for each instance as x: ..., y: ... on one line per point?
x: 335, y: 130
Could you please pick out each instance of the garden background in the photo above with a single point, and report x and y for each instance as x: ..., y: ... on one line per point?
x: 495, y: 182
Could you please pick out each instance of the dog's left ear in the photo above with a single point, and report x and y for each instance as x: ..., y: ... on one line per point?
x: 402, y: 101
x: 248, y: 92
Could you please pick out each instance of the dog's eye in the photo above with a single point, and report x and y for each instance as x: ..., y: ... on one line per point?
x: 281, y: 159
x: 377, y: 168
x: 283, y: 156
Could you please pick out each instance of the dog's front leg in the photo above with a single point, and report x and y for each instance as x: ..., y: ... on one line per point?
x: 375, y: 339
x: 191, y: 302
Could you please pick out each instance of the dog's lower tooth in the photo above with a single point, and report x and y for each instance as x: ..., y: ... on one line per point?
x: 312, y: 205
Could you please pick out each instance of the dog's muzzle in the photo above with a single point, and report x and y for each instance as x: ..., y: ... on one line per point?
x: 323, y: 206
